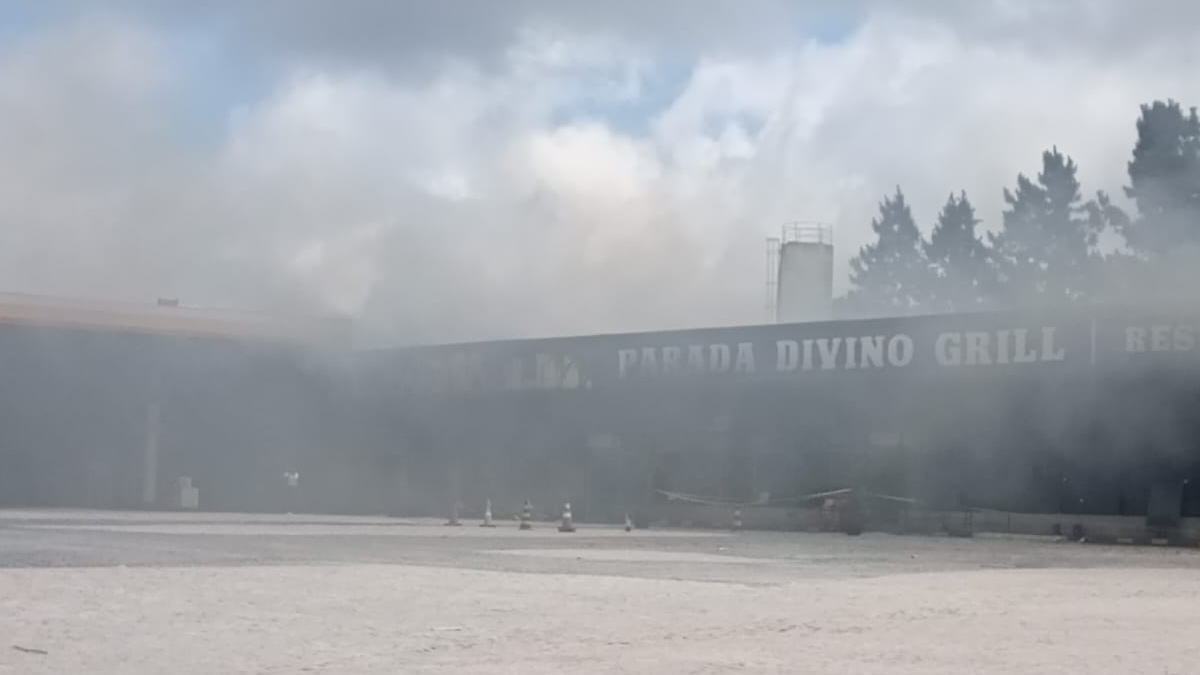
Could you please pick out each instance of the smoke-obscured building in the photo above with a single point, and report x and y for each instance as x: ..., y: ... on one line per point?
x: 1075, y: 411
x: 1078, y: 411
x: 106, y: 405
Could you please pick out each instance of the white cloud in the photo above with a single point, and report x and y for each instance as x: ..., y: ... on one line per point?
x: 486, y: 202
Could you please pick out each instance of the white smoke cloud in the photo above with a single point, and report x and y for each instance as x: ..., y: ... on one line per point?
x: 505, y: 199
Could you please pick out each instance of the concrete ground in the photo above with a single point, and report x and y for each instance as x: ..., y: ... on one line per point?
x: 191, y: 594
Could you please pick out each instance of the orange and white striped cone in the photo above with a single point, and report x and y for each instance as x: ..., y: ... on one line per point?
x: 487, y: 515
x: 568, y: 522
x: 526, y: 516
x: 737, y: 519
x: 628, y: 523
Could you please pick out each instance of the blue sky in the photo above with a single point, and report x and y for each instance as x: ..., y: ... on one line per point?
x: 669, y: 77
x: 213, y: 79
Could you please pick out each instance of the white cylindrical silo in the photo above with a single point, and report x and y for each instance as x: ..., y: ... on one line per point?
x: 805, y: 288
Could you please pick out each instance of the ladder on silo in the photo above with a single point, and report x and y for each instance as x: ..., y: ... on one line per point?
x: 772, y: 309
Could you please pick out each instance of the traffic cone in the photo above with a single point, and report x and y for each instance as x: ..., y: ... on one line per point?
x: 487, y: 515
x: 454, y: 516
x: 526, y: 516
x: 628, y: 523
x: 568, y: 524
x: 737, y: 518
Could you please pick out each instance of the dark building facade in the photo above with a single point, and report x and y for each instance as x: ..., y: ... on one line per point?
x: 1077, y: 411
x: 78, y: 408
x: 1073, y: 411
x: 106, y: 406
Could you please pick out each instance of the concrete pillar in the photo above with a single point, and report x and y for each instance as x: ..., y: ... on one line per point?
x: 150, y: 458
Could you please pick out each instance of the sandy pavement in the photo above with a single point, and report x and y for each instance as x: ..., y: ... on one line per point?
x: 493, y: 601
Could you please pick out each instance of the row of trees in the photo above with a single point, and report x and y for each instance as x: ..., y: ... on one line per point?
x: 1047, y: 249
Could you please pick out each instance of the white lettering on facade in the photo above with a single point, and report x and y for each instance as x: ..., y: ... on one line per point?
x: 649, y: 361
x: 871, y: 347
x: 744, y: 362
x: 1021, y: 351
x: 1184, y: 338
x: 625, y: 360
x: 947, y: 349
x: 1160, y: 338
x: 674, y: 359
x: 828, y: 349
x: 977, y: 349
x: 671, y: 359
x: 718, y: 358
x: 900, y: 351
x: 1050, y: 352
x: 787, y: 355
x: 852, y: 352
x: 468, y: 371
x: 1135, y: 339
x: 1002, y: 346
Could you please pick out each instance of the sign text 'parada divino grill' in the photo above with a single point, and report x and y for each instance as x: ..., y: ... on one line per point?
x: 857, y: 352
x: 777, y: 352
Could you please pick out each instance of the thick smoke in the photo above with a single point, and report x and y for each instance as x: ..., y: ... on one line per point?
x: 555, y: 169
x: 461, y: 201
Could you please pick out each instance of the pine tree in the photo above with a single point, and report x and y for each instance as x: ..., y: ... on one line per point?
x: 1164, y: 177
x: 1115, y: 274
x: 1046, y: 252
x: 889, y: 276
x: 962, y: 278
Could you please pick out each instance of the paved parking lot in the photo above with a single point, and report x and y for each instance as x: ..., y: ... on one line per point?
x: 189, y: 594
